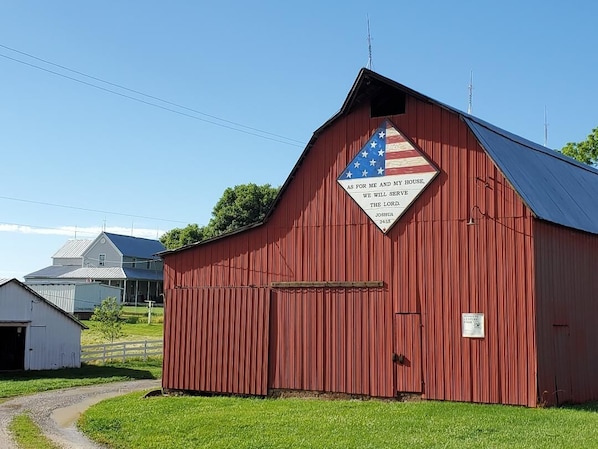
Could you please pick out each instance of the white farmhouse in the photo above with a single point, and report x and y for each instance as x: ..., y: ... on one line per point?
x: 124, y: 262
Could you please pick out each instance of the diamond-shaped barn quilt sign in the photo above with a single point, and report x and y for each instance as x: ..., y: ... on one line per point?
x: 387, y: 175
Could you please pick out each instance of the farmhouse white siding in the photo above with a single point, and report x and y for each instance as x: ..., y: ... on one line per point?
x: 52, y: 336
x: 102, y: 246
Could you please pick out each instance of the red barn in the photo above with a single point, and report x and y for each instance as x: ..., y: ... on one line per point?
x: 413, y: 249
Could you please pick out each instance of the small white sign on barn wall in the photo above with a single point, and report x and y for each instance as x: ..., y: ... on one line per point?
x: 472, y: 325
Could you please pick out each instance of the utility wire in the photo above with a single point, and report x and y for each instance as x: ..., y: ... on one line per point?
x: 66, y: 230
x: 43, y: 203
x: 231, y: 125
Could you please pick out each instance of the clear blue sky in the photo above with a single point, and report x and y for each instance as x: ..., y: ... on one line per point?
x: 280, y: 67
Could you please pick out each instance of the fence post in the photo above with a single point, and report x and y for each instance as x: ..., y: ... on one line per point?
x: 104, y: 354
x: 124, y: 352
x: 145, y: 350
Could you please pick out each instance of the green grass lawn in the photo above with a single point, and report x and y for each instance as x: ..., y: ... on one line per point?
x: 229, y: 422
x: 132, y: 332
x: 142, y: 311
x: 139, y: 330
x: 27, y: 382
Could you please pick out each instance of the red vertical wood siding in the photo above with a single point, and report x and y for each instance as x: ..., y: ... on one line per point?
x: 431, y: 263
x: 331, y: 340
x: 567, y: 292
x: 220, y: 341
x: 407, y: 347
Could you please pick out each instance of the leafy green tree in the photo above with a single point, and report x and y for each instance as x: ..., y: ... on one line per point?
x: 586, y: 151
x: 239, y: 206
x: 177, y: 237
x: 109, y: 317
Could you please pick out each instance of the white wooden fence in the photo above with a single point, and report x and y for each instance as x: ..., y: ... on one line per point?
x: 122, y: 351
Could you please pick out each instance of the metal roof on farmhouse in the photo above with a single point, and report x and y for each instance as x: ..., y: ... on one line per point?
x: 555, y: 187
x: 105, y: 273
x: 136, y: 246
x: 72, y: 249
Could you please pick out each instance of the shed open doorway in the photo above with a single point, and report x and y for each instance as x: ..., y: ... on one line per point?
x: 12, y: 348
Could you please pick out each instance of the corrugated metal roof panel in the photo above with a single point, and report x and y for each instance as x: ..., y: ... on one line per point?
x: 53, y: 271
x: 95, y: 273
x: 60, y: 272
x: 146, y: 275
x: 556, y: 188
x: 72, y: 248
x: 136, y: 246
x: 66, y: 272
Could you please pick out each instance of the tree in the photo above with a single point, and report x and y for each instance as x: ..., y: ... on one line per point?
x: 586, y: 151
x: 177, y: 237
x: 239, y: 206
x: 108, y: 316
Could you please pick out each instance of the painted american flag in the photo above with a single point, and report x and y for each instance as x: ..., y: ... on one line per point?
x: 387, y: 153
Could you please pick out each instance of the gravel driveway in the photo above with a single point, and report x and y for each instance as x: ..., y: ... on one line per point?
x: 56, y: 412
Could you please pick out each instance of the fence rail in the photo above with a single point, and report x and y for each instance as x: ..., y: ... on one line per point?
x: 122, y: 351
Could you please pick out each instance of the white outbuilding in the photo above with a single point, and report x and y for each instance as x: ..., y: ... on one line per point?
x: 79, y: 299
x: 34, y: 333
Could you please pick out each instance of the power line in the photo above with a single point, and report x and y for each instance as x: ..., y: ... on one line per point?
x: 90, y: 231
x: 43, y: 203
x: 228, y: 124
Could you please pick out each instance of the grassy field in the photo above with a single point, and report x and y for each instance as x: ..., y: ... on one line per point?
x: 226, y: 422
x: 141, y: 311
x: 27, y: 382
x: 138, y: 330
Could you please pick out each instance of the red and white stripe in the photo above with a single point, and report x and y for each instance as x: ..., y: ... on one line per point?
x: 402, y: 157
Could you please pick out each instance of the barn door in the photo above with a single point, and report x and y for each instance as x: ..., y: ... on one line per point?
x: 562, y: 376
x: 37, y: 348
x: 12, y: 347
x: 407, y: 353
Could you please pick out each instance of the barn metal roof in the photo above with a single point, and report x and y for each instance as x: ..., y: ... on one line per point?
x: 555, y: 187
x: 136, y: 246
